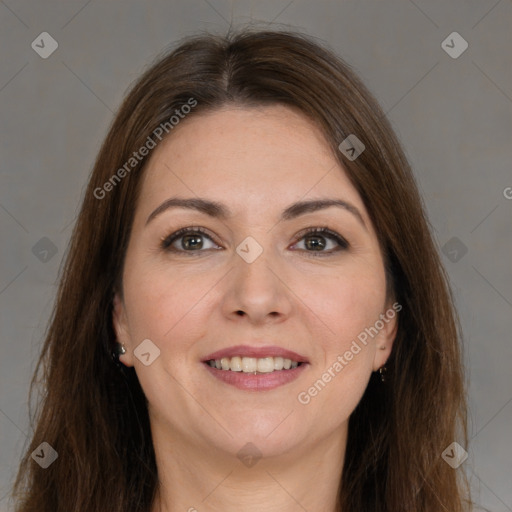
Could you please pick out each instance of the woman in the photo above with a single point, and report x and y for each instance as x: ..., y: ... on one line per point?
x: 304, y: 357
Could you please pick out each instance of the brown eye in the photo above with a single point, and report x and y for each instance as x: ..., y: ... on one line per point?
x: 193, y: 241
x: 186, y: 240
x: 317, y: 239
x: 315, y: 242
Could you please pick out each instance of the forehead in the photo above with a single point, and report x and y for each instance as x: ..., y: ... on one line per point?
x: 244, y: 157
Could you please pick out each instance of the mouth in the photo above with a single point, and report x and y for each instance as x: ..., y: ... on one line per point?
x: 253, y: 365
x: 255, y: 368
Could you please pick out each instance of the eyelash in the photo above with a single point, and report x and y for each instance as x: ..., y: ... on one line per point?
x: 322, y: 230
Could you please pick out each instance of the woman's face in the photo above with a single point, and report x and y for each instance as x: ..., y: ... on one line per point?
x: 256, y: 278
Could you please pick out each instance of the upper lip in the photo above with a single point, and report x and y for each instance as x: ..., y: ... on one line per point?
x: 258, y: 352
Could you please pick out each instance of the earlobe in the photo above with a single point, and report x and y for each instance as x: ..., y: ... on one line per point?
x: 121, y: 329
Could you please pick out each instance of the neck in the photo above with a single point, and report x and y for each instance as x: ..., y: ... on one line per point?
x: 196, y: 478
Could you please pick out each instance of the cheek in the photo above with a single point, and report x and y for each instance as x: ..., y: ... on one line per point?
x: 164, y: 304
x: 348, y: 305
x: 340, y: 377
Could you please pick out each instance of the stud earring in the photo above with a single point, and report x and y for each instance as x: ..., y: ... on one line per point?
x: 119, y: 350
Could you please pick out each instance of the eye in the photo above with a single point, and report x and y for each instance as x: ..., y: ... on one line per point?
x: 191, y: 240
x: 317, y: 239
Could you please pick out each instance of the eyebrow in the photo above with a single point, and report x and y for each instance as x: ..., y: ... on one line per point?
x: 220, y: 211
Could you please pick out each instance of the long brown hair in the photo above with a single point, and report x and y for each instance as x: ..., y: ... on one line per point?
x: 94, y: 414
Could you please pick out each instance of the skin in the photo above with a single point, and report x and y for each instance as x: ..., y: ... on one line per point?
x: 257, y: 161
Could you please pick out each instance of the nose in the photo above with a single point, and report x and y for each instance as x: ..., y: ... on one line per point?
x: 257, y: 290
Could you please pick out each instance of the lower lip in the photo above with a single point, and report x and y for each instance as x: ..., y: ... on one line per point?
x: 258, y: 382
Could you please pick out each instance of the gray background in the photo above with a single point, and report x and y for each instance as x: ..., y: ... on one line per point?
x: 452, y: 115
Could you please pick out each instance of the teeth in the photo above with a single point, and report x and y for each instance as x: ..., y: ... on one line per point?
x: 253, y: 364
x: 278, y: 363
x: 249, y: 364
x: 236, y: 364
x: 266, y: 365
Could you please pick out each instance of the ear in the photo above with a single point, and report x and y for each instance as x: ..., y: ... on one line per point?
x: 386, y: 337
x: 121, y: 329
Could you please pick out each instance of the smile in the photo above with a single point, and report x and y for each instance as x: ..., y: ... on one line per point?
x: 253, y: 364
